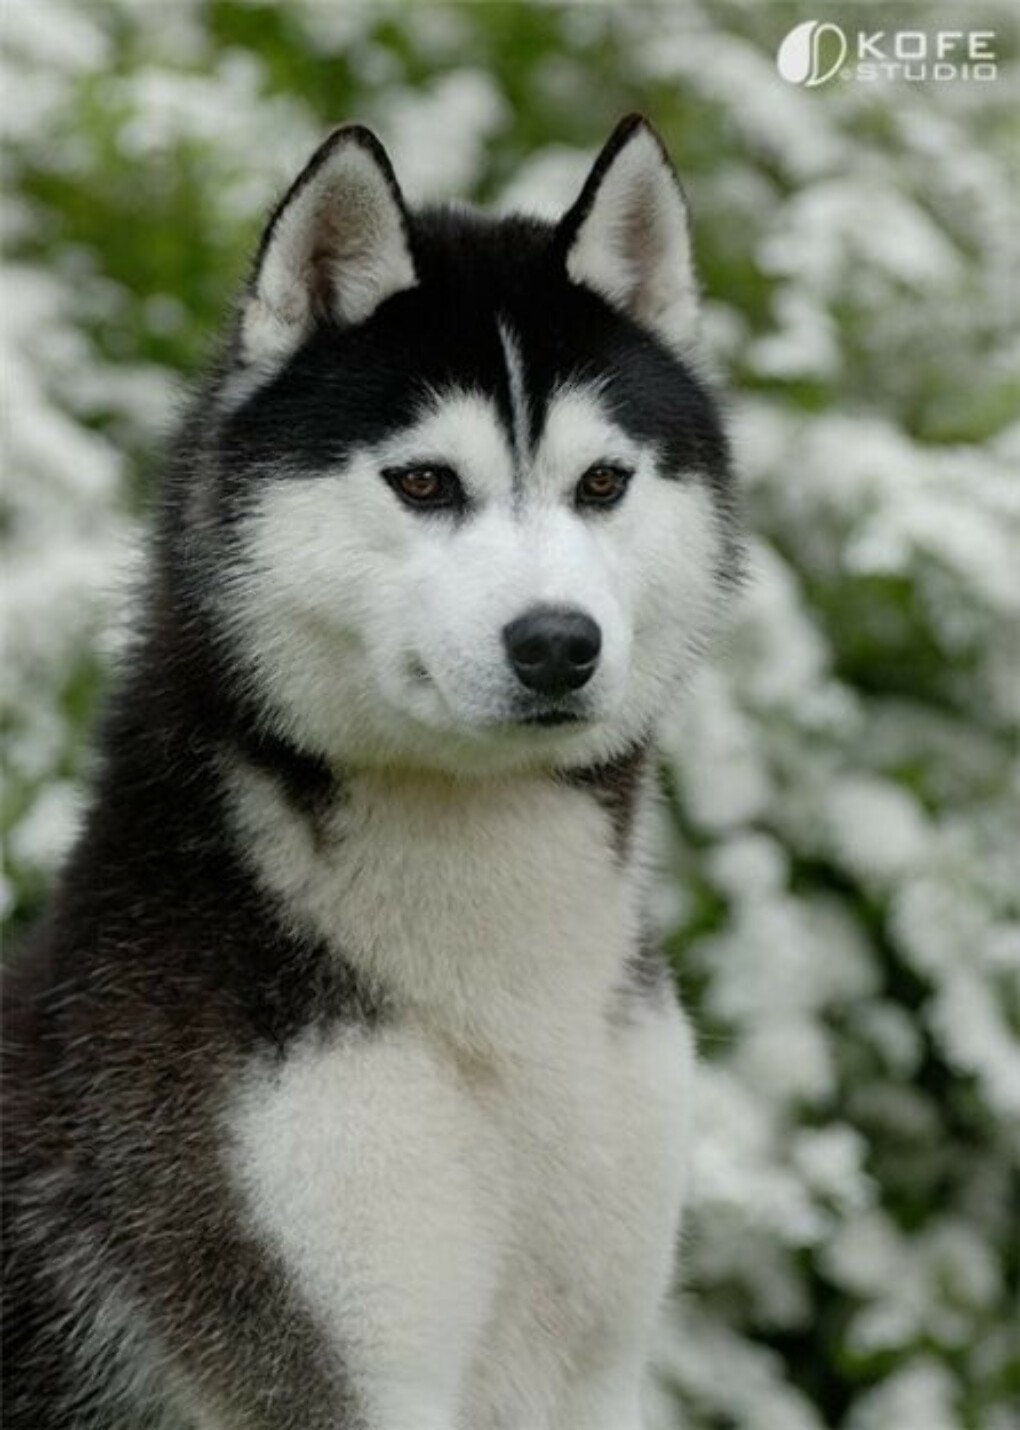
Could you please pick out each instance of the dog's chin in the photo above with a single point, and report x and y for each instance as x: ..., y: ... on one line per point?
x: 477, y: 749
x: 520, y: 748
x: 515, y: 742
x: 520, y: 722
x: 415, y: 725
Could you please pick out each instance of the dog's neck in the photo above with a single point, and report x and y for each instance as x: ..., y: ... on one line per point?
x: 484, y: 905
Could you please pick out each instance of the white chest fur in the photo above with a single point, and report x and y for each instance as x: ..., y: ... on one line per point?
x: 478, y: 1201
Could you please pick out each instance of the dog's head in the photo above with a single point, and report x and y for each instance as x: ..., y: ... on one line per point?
x: 467, y: 503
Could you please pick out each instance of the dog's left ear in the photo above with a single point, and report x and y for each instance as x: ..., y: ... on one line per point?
x: 627, y: 236
x: 334, y: 250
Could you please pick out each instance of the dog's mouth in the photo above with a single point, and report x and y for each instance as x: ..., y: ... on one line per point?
x: 550, y: 713
x: 549, y: 719
x: 520, y: 713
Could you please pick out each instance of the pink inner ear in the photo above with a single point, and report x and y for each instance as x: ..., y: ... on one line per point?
x: 336, y: 249
x: 629, y: 239
x: 640, y: 230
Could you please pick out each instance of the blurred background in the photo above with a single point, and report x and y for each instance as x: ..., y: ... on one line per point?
x: 839, y: 889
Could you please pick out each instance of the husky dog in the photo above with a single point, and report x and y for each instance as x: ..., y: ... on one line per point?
x: 347, y: 1090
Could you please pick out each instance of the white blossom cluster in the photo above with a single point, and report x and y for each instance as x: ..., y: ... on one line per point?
x: 840, y: 889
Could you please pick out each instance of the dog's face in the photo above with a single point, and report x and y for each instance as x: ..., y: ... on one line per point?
x: 472, y: 505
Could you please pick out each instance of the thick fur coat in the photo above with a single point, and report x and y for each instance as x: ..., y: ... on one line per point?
x: 346, y: 1089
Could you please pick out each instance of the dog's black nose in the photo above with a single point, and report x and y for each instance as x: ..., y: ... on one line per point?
x: 552, y: 650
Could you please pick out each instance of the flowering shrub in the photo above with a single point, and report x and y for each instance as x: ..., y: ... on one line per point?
x: 839, y: 886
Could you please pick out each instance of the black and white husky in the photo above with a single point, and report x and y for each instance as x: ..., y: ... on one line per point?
x: 346, y: 1089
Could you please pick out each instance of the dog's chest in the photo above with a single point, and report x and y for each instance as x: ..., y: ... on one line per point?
x: 499, y: 1228
x: 483, y: 1191
x: 590, y: 1145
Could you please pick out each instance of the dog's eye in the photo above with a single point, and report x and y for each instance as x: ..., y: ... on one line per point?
x: 427, y: 487
x: 602, y: 485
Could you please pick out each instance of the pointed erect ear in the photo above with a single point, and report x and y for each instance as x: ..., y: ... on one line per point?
x: 627, y: 236
x: 335, y: 248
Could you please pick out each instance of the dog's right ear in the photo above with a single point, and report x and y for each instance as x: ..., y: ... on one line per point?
x: 335, y: 248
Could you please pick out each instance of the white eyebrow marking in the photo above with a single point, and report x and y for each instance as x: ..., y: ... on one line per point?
x: 518, y: 394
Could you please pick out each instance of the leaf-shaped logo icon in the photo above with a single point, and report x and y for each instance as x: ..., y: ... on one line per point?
x: 811, y: 53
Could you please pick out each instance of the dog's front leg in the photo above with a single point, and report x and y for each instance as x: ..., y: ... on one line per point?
x: 357, y: 1158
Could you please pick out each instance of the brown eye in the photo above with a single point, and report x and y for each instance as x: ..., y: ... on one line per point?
x: 427, y: 487
x: 602, y: 485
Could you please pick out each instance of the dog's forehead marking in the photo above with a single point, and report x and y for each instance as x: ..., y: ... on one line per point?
x: 520, y: 415
x: 499, y: 454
